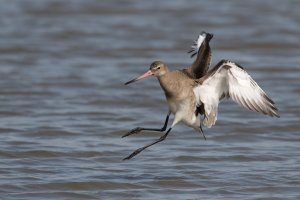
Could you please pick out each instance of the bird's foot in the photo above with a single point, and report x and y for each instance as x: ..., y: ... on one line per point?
x: 133, y: 131
x: 134, y: 153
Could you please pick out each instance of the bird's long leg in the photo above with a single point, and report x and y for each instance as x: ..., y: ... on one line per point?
x: 145, y: 147
x: 201, y: 131
x: 139, y: 129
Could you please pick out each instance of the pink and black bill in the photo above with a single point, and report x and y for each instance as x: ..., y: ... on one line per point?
x: 145, y: 75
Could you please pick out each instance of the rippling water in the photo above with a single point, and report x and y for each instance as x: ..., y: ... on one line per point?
x: 64, y: 107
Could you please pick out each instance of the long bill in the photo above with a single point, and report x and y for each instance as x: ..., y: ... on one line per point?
x: 145, y: 75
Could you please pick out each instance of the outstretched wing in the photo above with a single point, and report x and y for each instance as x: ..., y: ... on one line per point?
x: 228, y: 79
x: 202, y: 49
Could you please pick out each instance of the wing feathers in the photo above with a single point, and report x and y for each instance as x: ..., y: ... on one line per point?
x: 246, y: 91
x: 202, y: 49
x: 197, y: 43
x: 232, y: 80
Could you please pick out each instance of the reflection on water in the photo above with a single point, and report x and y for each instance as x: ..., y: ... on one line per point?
x: 64, y: 107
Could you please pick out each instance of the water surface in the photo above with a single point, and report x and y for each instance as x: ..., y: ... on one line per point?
x: 64, y: 107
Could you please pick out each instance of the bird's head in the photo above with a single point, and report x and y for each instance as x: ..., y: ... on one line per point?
x: 157, y: 68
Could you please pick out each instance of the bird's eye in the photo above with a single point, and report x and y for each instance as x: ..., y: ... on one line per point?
x: 158, y: 68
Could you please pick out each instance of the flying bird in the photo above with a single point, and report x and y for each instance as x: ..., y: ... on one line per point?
x: 194, y: 92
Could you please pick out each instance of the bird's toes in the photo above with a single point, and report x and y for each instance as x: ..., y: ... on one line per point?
x: 130, y: 156
x: 133, y: 131
x: 134, y: 153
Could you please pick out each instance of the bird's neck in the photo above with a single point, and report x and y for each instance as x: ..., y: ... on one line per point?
x: 167, y: 84
x: 176, y: 84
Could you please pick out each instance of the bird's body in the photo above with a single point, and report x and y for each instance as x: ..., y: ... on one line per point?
x: 178, y: 89
x: 195, y: 91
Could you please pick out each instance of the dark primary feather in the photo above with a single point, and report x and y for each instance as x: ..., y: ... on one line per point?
x: 200, y: 66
